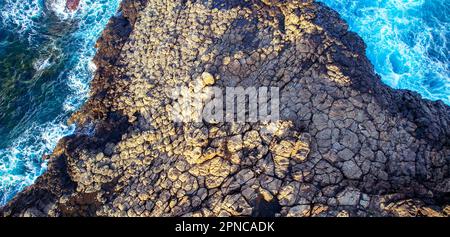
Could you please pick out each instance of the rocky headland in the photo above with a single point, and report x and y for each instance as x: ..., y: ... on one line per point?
x: 72, y: 5
x: 346, y: 145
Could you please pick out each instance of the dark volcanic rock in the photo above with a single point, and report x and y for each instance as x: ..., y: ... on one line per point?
x: 72, y: 5
x: 346, y: 144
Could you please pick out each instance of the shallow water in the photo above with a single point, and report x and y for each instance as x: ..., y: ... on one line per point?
x: 407, y: 41
x: 45, y: 69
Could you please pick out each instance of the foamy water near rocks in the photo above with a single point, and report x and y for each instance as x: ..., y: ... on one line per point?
x: 346, y: 145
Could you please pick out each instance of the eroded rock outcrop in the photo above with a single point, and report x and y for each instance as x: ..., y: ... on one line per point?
x: 72, y: 5
x: 346, y: 144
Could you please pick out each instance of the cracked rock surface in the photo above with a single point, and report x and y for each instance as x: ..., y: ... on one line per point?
x: 346, y: 144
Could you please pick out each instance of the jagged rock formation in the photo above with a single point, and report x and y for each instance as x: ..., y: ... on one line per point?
x: 346, y: 144
x: 72, y: 5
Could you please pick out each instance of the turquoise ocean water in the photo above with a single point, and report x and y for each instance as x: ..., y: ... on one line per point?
x: 45, y: 69
x: 407, y: 41
x: 46, y: 52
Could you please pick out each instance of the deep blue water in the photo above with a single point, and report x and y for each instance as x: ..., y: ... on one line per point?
x: 407, y: 41
x: 45, y: 69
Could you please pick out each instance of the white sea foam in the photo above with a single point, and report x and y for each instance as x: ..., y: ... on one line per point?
x: 42, y: 63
